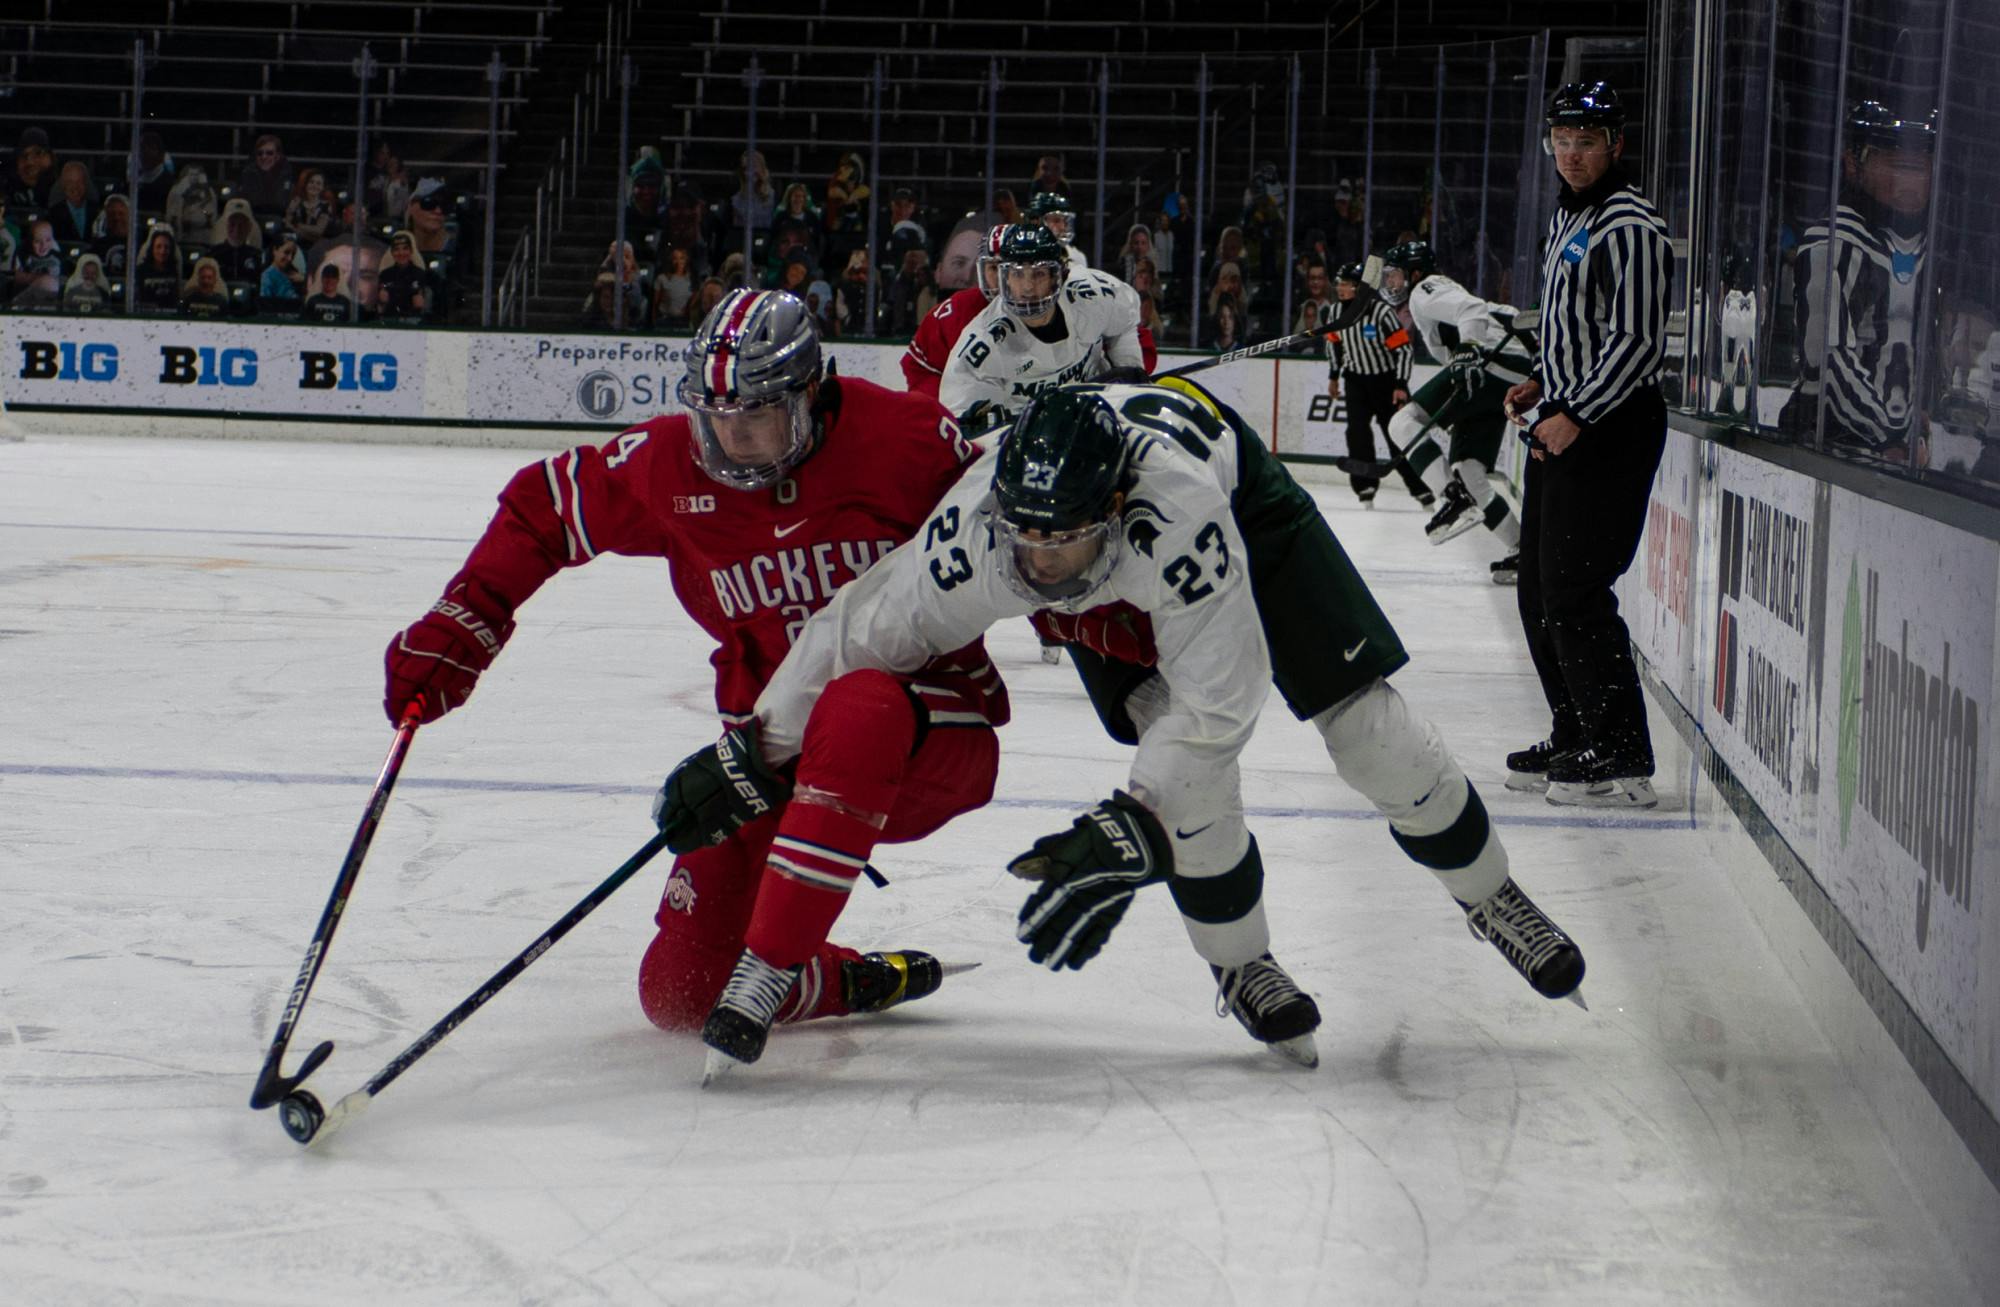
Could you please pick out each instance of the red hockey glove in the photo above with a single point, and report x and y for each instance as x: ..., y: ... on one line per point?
x: 1117, y: 631
x: 441, y: 656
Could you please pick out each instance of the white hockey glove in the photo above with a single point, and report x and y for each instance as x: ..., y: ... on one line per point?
x: 1088, y: 876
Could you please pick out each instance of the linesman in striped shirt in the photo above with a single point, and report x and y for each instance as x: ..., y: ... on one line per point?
x: 1597, y: 423
x: 1369, y: 359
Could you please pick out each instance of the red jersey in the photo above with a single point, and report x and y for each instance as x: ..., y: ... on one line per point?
x: 930, y: 348
x: 749, y: 566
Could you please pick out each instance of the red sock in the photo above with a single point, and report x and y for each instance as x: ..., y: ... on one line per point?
x: 814, y: 861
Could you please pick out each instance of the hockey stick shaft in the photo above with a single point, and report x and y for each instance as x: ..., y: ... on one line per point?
x: 1299, y: 341
x: 272, y: 1084
x: 356, y: 1102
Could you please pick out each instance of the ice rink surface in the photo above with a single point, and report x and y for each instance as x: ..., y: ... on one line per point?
x: 190, y: 649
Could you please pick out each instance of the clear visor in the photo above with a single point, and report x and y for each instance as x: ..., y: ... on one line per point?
x: 1585, y: 142
x: 1029, y: 289
x: 748, y: 444
x: 989, y: 274
x: 1060, y: 225
x: 1056, y: 569
x: 1395, y: 285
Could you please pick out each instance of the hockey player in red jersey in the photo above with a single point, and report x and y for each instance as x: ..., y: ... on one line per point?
x: 780, y: 484
x: 930, y: 348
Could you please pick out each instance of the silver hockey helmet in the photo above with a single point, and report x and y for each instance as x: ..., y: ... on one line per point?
x: 750, y: 371
x: 989, y: 261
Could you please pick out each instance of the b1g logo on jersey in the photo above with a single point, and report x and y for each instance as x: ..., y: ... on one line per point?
x: 600, y: 394
x: 46, y: 360
x: 694, y: 503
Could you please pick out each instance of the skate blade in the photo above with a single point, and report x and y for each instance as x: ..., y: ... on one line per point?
x: 1527, y: 782
x: 957, y: 968
x: 1605, y: 794
x: 1506, y: 578
x: 1299, y: 1049
x: 718, y: 1065
x: 1452, y: 532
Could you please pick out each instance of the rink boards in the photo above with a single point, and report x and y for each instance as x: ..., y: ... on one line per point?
x: 1838, y: 656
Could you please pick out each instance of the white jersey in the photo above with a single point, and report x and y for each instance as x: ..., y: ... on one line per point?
x: 1077, y: 261
x: 1002, y: 363
x: 1451, y: 318
x: 1182, y: 562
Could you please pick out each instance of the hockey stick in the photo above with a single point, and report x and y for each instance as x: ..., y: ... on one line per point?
x: 306, y: 1121
x: 1252, y: 351
x: 272, y: 1084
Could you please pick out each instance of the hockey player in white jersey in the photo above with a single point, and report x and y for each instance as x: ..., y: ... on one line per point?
x: 1049, y: 325
x: 1194, y: 573
x: 1051, y: 211
x: 1462, y: 404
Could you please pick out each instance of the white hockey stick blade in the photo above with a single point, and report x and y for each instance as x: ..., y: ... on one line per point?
x: 957, y: 968
x: 1299, y: 1048
x: 1576, y: 996
x: 1371, y: 271
x: 340, y: 1114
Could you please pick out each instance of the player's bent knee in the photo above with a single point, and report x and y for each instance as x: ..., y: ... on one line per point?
x: 865, y: 724
x: 680, y: 978
x: 1407, y: 422
x: 1394, y: 758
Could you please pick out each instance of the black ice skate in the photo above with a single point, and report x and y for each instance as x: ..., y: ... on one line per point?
x: 1366, y: 494
x: 1457, y: 515
x: 1586, y: 780
x: 741, y: 1019
x: 1508, y: 570
x: 1528, y: 769
x: 1270, y: 1006
x: 875, y: 982
x: 1532, y: 944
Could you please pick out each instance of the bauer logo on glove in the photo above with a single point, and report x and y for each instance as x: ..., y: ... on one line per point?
x: 717, y: 791
x: 1088, y: 876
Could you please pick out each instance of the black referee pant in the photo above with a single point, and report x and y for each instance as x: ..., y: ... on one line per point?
x: 1371, y: 399
x: 1582, y: 513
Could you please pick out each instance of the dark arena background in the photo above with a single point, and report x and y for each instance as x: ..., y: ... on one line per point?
x: 290, y: 290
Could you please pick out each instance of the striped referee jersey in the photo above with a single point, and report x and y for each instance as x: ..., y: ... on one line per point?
x: 1862, y: 358
x: 1373, y: 343
x: 1604, y: 304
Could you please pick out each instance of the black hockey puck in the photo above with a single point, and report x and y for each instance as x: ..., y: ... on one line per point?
x: 301, y: 1115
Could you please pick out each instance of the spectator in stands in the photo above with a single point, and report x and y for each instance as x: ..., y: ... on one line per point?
x: 328, y: 304
x: 205, y: 295
x: 380, y: 152
x: 1006, y: 206
x: 109, y: 233
x: 240, y: 250
x: 958, y: 263
x: 426, y: 217
x: 711, y: 293
x: 282, y: 288
x: 1164, y: 243
x: 1227, y: 288
x: 1345, y: 241
x: 645, y: 194
x: 1228, y: 249
x: 797, y: 220
x: 786, y: 245
x: 192, y: 206
x: 850, y: 298
x: 71, y: 206
x: 906, y: 232
x: 912, y: 294
x: 731, y: 272
x: 310, y: 214
x: 1224, y: 328
x: 688, y: 227
x: 357, y: 263
x: 792, y: 278
x: 754, y: 204
x: 1264, y: 217
x: 819, y: 303
x: 1317, y: 306
x: 673, y: 287
x: 634, y: 281
x: 156, y: 172
x: 846, y: 215
x: 1138, y: 245
x: 400, y: 288
x: 389, y: 190
x: 601, y: 308
x: 40, y: 259
x: 266, y: 181
x: 87, y: 290
x: 1145, y: 279
x: 1049, y: 175
x: 30, y: 173
x: 159, y: 273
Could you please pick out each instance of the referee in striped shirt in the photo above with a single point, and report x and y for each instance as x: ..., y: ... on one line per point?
x: 1368, y: 356
x: 1597, y: 424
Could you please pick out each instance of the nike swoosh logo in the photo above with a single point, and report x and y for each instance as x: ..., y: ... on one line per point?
x: 782, y: 531
x: 1190, y: 834
x: 1351, y: 654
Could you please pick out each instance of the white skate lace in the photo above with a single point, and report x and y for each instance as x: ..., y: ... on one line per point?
x: 1256, y: 987
x: 756, y: 988
x: 1514, y: 925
